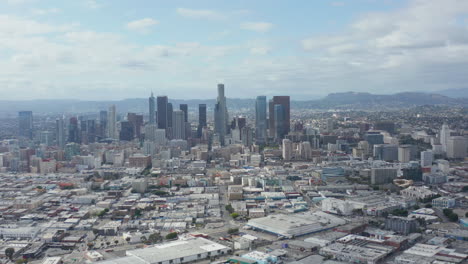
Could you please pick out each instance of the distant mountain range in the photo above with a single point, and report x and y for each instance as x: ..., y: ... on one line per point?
x: 347, y: 100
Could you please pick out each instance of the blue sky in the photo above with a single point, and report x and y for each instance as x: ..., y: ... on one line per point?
x: 115, y: 49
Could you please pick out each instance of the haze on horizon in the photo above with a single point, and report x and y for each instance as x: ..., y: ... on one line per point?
x: 111, y: 50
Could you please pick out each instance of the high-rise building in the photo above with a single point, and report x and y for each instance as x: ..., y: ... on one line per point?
x: 60, y: 133
x: 221, y: 115
x: 152, y: 110
x: 178, y: 128
x: 162, y: 112
x: 287, y: 149
x: 102, y: 124
x: 170, y: 110
x: 201, y: 119
x: 426, y: 158
x: 444, y: 136
x: 25, y: 124
x: 330, y: 125
x: 184, y: 108
x: 284, y: 101
x: 112, y: 123
x: 388, y: 126
x: 261, y: 119
x: 456, y: 147
x: 127, y: 130
x: 404, y: 154
x: 383, y: 175
x: 280, y: 119
x: 73, y: 131
x: 137, y: 122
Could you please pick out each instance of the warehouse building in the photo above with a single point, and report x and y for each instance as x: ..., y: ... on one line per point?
x: 297, y: 224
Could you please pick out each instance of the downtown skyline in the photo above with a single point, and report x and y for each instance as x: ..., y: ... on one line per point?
x: 95, y: 50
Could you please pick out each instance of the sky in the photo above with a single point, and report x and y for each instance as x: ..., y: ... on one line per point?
x: 116, y: 49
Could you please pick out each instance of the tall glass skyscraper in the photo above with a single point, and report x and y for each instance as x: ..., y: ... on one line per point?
x: 284, y: 101
x: 25, y: 124
x: 261, y: 119
x: 162, y: 112
x: 201, y: 119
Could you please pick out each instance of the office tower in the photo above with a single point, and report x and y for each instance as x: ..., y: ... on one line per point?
x: 73, y: 131
x: 184, y: 108
x: 201, y: 119
x: 279, y: 117
x: 127, y: 130
x: 383, y: 175
x: 247, y: 136
x: 330, y: 125
x: 388, y: 126
x: 60, y: 133
x: 374, y: 138
x: 152, y: 110
x: 91, y: 131
x: 170, y: 110
x: 284, y: 101
x: 444, y: 136
x: 178, y: 129
x: 305, y: 150
x: 404, y: 153
x: 102, y: 124
x: 221, y: 115
x: 162, y: 112
x: 25, y: 124
x: 456, y: 147
x: 287, y: 149
x: 112, y: 123
x: 426, y: 158
x: 137, y: 122
x: 154, y: 134
x: 386, y: 152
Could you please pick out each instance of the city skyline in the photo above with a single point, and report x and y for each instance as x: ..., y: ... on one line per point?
x: 122, y: 50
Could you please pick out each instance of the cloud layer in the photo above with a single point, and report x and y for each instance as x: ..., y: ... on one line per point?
x: 422, y: 46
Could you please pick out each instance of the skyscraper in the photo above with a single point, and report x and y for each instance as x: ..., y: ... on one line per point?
x: 221, y: 114
x: 444, y: 136
x: 60, y: 133
x: 279, y: 117
x: 73, y: 131
x: 178, y: 128
x: 284, y: 101
x: 112, y: 123
x: 102, y: 124
x: 137, y: 122
x: 170, y: 110
x: 25, y: 124
x: 261, y: 119
x: 127, y: 131
x: 162, y: 112
x: 201, y: 119
x: 152, y: 110
x: 184, y: 108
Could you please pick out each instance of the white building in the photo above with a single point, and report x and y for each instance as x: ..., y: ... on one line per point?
x: 426, y: 158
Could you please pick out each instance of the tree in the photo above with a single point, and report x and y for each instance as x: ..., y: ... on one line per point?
x: 116, y: 242
x: 143, y: 239
x: 428, y: 205
x: 9, y: 252
x: 229, y: 208
x: 154, y: 238
x: 465, y: 188
x: 172, y: 235
x: 234, y: 215
x: 233, y: 231
x: 128, y: 239
x: 108, y: 243
x: 453, y: 217
x: 466, y: 214
x: 90, y: 245
x: 416, y: 207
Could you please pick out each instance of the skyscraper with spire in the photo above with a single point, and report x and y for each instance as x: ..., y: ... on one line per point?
x: 221, y: 115
x: 152, y: 110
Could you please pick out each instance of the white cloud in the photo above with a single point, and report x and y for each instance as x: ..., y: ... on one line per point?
x: 257, y: 26
x: 200, y: 13
x: 142, y: 25
x: 47, y: 11
x: 92, y: 4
